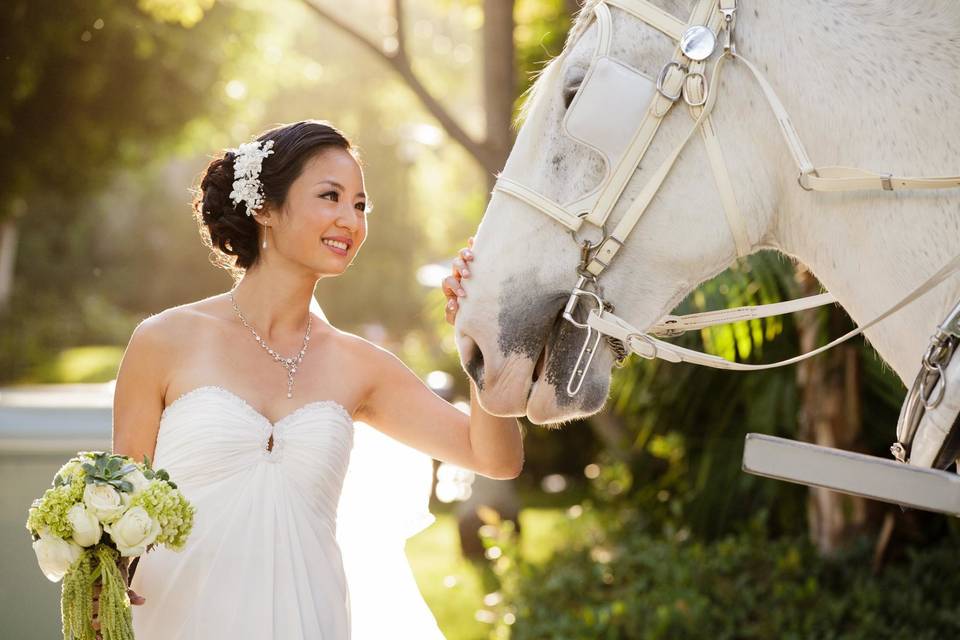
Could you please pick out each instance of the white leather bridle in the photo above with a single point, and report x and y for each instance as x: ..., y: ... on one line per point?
x: 589, y: 121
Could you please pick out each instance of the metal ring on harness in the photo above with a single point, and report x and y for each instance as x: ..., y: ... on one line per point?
x: 931, y: 403
x: 650, y: 343
x: 572, y: 303
x: 800, y: 182
x: 592, y: 245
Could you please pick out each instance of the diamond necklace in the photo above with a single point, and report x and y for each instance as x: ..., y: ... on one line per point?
x: 290, y: 364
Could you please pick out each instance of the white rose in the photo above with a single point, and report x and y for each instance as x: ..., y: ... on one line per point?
x: 105, y: 502
x: 86, y: 527
x: 138, y: 480
x: 55, y: 555
x: 134, y: 531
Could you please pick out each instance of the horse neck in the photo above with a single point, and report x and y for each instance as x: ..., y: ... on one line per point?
x: 855, y: 83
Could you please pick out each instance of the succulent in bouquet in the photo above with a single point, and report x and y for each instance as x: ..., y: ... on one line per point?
x: 102, y: 510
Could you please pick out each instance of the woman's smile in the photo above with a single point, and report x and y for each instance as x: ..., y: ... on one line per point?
x: 339, y: 247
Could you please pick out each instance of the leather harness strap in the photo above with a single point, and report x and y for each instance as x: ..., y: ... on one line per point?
x: 649, y: 347
x: 676, y: 325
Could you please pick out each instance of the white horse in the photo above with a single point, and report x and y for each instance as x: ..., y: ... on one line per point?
x: 873, y: 85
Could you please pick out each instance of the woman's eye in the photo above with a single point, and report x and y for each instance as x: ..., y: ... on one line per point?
x: 362, y: 206
x: 331, y: 193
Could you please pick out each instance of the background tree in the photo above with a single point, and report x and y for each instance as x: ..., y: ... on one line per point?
x: 84, y: 86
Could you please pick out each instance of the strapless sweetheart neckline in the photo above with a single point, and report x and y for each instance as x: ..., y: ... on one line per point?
x: 339, y: 408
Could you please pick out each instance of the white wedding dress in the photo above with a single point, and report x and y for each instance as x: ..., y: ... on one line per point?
x: 301, y: 541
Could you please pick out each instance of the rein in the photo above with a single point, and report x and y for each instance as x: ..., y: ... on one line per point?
x: 683, y: 76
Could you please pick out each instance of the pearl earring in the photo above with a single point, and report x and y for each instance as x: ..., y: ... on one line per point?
x: 264, y: 237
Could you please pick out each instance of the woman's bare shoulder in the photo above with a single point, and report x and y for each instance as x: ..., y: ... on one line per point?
x: 360, y: 350
x: 163, y: 338
x: 184, y: 319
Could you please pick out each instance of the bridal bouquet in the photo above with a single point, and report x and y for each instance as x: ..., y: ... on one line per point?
x: 95, y: 493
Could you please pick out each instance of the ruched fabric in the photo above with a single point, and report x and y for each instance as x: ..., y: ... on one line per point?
x: 263, y: 559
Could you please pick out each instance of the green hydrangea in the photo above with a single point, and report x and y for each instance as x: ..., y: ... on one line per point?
x: 167, y: 505
x: 50, y: 510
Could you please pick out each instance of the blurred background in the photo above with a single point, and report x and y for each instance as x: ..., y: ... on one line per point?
x: 636, y: 523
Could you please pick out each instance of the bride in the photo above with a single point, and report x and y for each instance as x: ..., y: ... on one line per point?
x: 248, y: 398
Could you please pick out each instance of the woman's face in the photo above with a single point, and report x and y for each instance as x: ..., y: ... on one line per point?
x: 324, y: 221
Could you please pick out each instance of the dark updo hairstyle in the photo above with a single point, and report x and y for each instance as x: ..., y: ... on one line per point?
x: 225, y: 227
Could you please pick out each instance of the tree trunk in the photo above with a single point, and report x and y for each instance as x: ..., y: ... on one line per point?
x: 499, y: 81
x: 830, y: 415
x: 8, y: 255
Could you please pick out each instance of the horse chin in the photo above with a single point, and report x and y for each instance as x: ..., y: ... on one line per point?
x: 515, y: 384
x: 538, y: 389
x: 548, y: 402
x: 506, y: 393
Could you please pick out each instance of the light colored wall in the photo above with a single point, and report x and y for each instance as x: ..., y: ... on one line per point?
x: 40, y: 428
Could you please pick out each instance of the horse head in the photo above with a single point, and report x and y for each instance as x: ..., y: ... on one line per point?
x: 582, y: 158
x: 577, y: 120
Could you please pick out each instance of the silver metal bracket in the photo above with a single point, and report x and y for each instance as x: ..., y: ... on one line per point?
x: 729, y: 22
x: 589, y: 348
x: 591, y: 340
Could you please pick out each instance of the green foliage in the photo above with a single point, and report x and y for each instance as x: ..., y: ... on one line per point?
x: 76, y: 599
x: 688, y: 423
x: 617, y: 580
x: 113, y: 610
x: 95, y: 85
x: 540, y: 34
x: 110, y: 469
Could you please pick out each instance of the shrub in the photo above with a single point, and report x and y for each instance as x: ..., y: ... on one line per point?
x: 619, y: 581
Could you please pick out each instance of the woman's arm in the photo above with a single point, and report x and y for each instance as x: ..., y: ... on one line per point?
x: 402, y: 406
x: 138, y: 394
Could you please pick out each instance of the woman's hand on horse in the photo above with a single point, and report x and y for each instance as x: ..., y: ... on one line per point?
x: 452, y: 288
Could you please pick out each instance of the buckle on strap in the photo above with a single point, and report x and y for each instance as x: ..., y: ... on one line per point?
x: 885, y: 181
x: 662, y: 76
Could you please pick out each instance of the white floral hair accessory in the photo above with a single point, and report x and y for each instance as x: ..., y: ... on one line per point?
x: 246, y: 172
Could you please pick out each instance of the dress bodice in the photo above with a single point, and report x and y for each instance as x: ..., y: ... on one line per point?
x: 211, y: 435
x: 262, y: 560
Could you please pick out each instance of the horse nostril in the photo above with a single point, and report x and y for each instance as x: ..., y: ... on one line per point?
x: 473, y: 359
